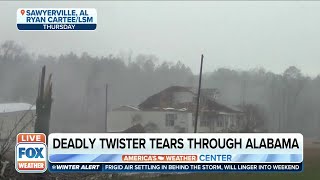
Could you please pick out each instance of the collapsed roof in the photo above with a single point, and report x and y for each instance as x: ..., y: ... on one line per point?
x: 164, y: 99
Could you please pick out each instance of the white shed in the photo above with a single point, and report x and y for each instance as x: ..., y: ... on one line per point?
x: 11, y: 114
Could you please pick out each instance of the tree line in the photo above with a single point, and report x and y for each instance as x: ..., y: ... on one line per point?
x: 290, y: 101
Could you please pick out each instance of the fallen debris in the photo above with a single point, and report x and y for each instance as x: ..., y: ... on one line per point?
x: 3, y: 165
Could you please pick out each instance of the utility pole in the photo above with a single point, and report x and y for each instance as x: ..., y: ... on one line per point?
x: 106, y: 110
x: 198, y: 98
x: 279, y: 123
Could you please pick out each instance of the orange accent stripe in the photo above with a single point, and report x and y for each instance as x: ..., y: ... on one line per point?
x: 31, y: 137
x: 30, y: 165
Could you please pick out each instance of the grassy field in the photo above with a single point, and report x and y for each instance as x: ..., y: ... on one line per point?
x: 311, y: 171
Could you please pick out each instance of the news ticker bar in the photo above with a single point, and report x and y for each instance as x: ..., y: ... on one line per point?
x: 174, y: 167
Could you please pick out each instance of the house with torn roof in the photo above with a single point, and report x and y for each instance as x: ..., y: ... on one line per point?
x: 173, y: 110
x: 15, y: 118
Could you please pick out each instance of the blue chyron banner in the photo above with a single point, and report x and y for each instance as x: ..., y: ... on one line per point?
x: 170, y: 152
x: 56, y: 19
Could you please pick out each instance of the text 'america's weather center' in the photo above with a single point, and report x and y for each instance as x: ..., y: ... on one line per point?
x: 57, y: 16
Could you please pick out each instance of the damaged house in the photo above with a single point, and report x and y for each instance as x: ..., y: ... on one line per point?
x: 173, y: 110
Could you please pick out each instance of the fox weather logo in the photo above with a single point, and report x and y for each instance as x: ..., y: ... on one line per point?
x: 31, y: 153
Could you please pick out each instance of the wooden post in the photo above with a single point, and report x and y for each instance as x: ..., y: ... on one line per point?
x: 198, y: 98
x: 43, y: 104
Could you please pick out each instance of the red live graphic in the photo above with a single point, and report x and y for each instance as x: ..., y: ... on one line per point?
x: 31, y: 153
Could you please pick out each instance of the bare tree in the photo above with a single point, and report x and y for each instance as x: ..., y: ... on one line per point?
x: 43, y: 103
x: 10, y: 50
x: 9, y: 140
x: 255, y: 117
x: 293, y: 83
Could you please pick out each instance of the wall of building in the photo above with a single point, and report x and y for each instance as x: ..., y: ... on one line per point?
x: 219, y: 123
x: 122, y: 120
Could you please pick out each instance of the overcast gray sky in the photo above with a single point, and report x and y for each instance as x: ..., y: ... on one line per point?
x: 239, y: 35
